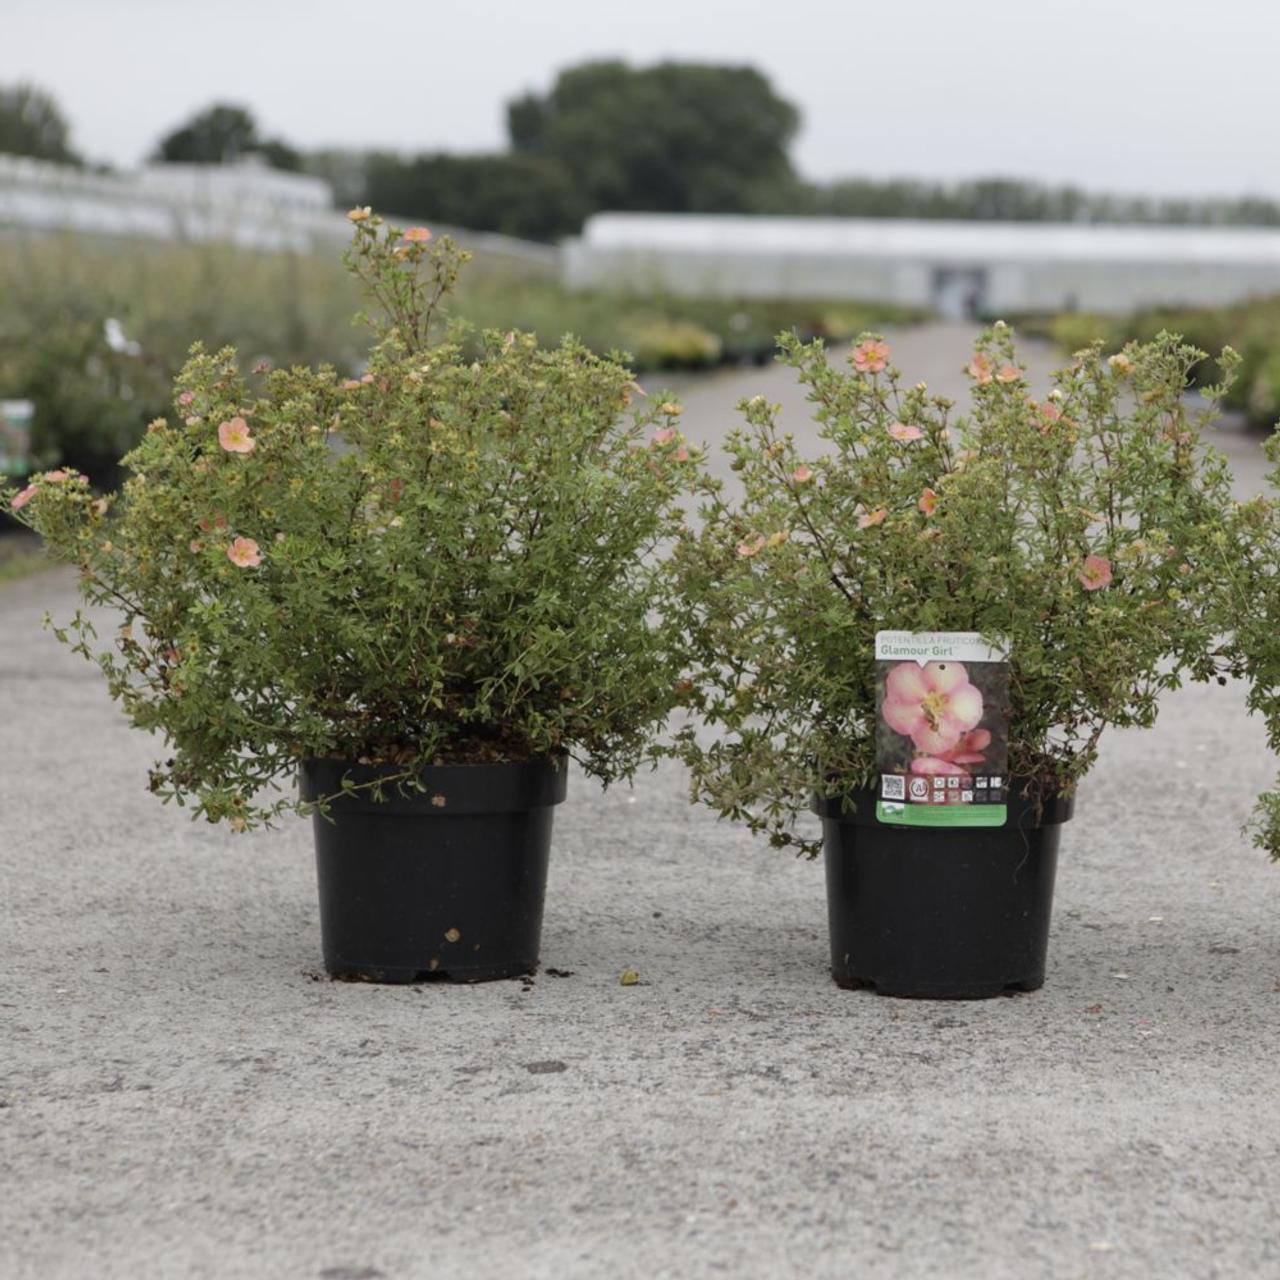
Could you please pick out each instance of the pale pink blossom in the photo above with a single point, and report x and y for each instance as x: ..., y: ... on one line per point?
x: 417, y: 235
x: 970, y: 748
x: 870, y: 356
x: 681, y: 454
x: 186, y: 397
x: 244, y: 552
x: 56, y: 477
x: 752, y: 546
x: 1049, y: 414
x: 802, y: 475
x: 938, y: 767
x: 933, y: 705
x: 20, y: 500
x: 928, y: 502
x: 664, y: 435
x: 905, y: 432
x: 1095, y: 573
x: 980, y: 369
x: 868, y: 519
x: 234, y: 436
x: 1009, y: 373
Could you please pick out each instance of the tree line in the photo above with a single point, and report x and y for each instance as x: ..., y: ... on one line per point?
x: 672, y: 137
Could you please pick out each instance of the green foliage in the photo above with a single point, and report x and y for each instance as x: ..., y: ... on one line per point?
x: 93, y: 401
x: 665, y: 332
x: 448, y: 559
x: 995, y: 199
x: 677, y: 137
x: 221, y: 134
x: 1251, y: 328
x: 519, y: 195
x: 1077, y: 527
x: 678, y: 344
x: 1249, y: 615
x: 31, y: 124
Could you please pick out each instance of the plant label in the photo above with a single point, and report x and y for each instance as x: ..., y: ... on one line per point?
x: 942, y: 729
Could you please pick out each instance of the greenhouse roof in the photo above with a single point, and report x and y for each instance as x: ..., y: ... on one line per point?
x: 915, y: 239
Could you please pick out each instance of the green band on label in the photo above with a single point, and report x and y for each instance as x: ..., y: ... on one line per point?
x: 942, y: 815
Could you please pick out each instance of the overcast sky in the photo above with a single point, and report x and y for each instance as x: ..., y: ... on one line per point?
x: 1154, y: 96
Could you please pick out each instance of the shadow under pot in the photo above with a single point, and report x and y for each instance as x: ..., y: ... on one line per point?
x: 950, y: 913
x: 445, y: 883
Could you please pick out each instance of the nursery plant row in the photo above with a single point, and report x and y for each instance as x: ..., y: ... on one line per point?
x: 403, y: 602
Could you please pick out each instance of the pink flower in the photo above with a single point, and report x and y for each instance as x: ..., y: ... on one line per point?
x: 1048, y: 413
x: 352, y: 384
x: 1095, y: 573
x: 751, y: 546
x: 682, y: 454
x: 870, y: 356
x: 938, y: 766
x: 244, y: 553
x: 234, y: 436
x: 970, y: 748
x: 870, y: 518
x: 928, y: 502
x: 901, y: 431
x: 186, y: 397
x: 802, y: 475
x: 56, y: 477
x: 980, y: 369
x: 417, y: 235
x: 933, y: 705
x: 1009, y: 373
x: 20, y: 500
x: 664, y: 435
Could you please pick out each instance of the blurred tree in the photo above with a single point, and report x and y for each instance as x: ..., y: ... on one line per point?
x: 677, y: 137
x: 346, y: 172
x: 31, y: 124
x: 519, y: 195
x: 222, y: 134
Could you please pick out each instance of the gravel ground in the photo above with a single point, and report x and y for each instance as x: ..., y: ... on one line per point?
x: 183, y: 1094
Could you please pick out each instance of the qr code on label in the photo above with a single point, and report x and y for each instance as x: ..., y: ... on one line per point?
x: 893, y: 786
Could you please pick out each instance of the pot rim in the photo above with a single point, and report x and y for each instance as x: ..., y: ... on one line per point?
x: 448, y: 790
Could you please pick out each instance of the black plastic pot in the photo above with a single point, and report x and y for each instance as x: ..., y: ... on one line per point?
x: 940, y: 913
x: 447, y: 884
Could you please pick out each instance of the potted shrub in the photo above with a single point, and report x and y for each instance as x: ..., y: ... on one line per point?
x: 923, y: 631
x: 422, y: 591
x: 1249, y: 603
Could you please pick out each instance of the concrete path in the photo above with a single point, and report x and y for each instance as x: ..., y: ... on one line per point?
x: 184, y: 1095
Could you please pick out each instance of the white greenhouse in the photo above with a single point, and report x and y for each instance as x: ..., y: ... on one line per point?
x: 958, y: 269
